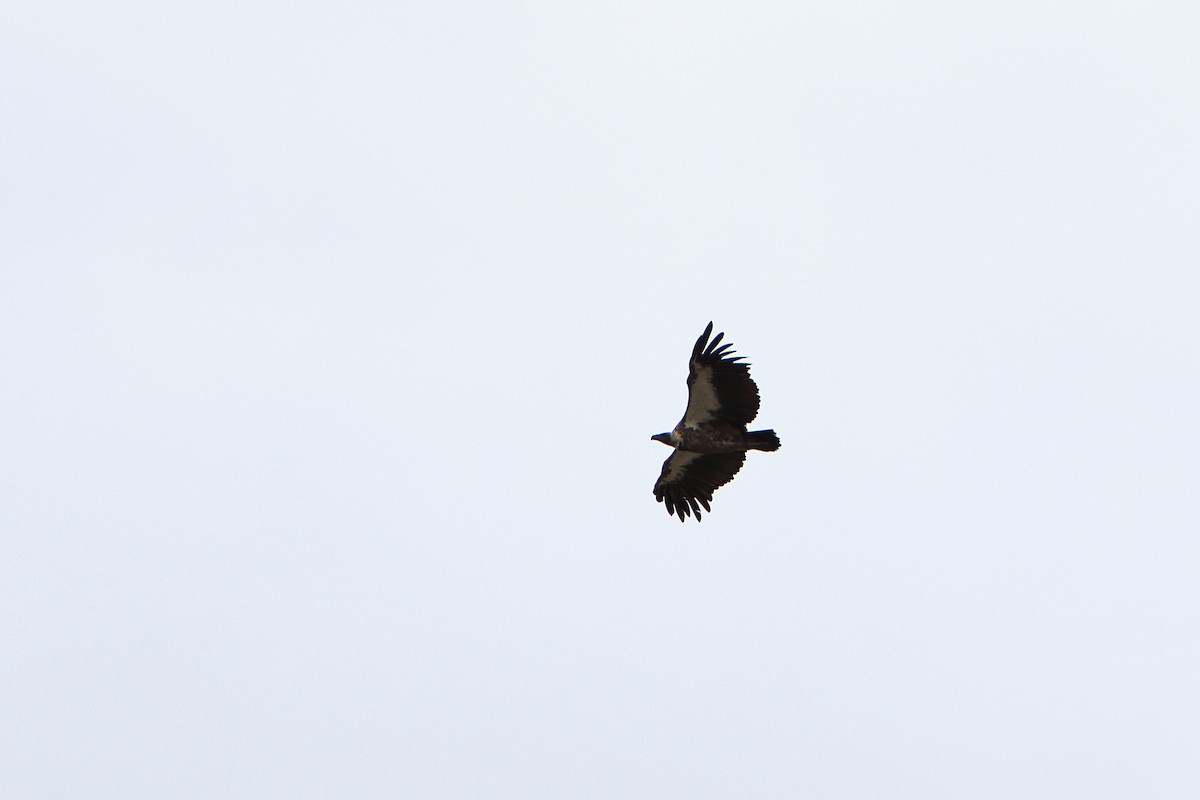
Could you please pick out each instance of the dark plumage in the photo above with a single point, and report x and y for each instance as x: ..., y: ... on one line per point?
x: 711, y: 440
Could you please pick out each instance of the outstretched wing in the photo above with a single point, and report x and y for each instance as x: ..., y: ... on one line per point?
x: 688, y: 480
x: 719, y: 384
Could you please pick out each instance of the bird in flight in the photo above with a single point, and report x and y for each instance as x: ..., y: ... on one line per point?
x: 711, y: 440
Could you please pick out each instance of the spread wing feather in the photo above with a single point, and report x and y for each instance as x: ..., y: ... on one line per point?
x: 688, y: 480
x: 719, y: 384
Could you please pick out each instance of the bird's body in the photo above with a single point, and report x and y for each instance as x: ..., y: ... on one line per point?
x: 714, y: 437
x: 711, y: 440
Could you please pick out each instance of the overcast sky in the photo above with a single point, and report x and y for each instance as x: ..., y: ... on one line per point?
x: 333, y: 336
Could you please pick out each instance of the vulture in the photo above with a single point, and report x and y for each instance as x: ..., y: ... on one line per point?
x: 711, y: 440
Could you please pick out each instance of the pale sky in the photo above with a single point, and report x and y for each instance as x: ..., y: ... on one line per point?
x: 335, y: 333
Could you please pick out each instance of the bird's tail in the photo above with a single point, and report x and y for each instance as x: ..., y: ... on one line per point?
x: 762, y: 440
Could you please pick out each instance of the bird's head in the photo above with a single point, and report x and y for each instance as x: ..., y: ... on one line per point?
x: 665, y: 438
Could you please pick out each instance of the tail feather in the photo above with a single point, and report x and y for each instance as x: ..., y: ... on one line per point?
x: 762, y: 440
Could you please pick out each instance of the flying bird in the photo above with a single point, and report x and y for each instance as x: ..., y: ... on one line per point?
x: 711, y: 440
